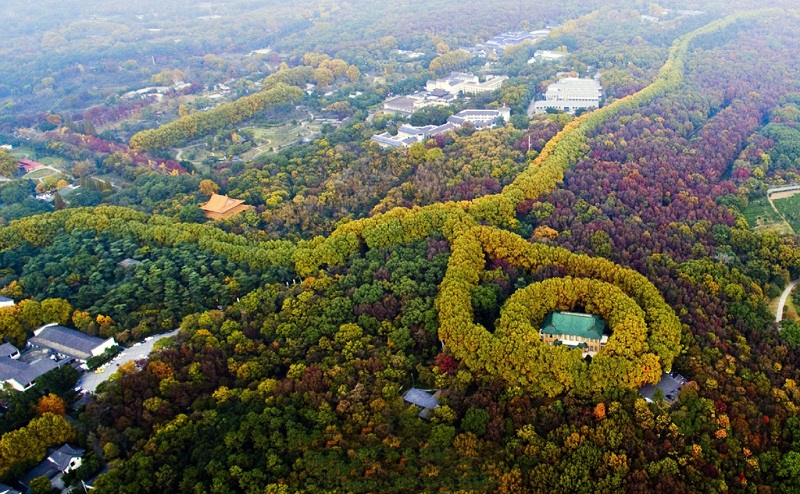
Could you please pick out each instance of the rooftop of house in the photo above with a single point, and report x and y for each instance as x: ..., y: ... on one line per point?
x: 65, y: 341
x: 22, y: 372
x: 6, y: 299
x: 61, y: 457
x: 421, y: 398
x: 126, y: 263
x: 4, y: 489
x: 221, y: 204
x: 7, y: 350
x: 573, y: 324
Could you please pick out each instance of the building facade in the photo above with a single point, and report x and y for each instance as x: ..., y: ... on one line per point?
x: 571, y: 94
x: 575, y: 330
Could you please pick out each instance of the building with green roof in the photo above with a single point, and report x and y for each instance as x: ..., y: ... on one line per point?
x: 584, y: 331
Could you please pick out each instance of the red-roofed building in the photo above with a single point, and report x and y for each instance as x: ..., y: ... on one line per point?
x: 29, y: 165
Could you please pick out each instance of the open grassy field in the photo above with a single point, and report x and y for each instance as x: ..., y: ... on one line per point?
x: 271, y: 139
x: 789, y: 207
x: 40, y: 174
x: 761, y: 216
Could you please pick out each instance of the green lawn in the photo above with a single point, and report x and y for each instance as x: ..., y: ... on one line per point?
x: 54, y: 162
x: 271, y: 139
x: 23, y: 152
x: 790, y: 209
x: 39, y: 174
x: 761, y: 216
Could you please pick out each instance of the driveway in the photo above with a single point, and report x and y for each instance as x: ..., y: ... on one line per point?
x: 141, y: 350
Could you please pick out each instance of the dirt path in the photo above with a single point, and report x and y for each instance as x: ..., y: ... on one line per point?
x: 784, y: 194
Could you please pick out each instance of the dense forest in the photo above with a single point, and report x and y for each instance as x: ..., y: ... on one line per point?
x: 362, y: 272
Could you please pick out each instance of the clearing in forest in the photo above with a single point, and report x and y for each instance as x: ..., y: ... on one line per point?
x: 788, y: 205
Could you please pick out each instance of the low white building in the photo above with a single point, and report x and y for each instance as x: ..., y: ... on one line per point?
x: 458, y: 82
x: 68, y: 343
x: 21, y: 375
x: 481, y: 118
x: 571, y: 94
x: 409, y: 134
x: 547, y: 56
x: 406, y: 105
x: 6, y: 302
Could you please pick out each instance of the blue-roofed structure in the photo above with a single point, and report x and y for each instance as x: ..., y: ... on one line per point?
x: 8, y: 350
x: 422, y: 399
x: 4, y: 489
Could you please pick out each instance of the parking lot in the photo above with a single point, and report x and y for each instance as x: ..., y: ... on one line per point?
x: 92, y: 379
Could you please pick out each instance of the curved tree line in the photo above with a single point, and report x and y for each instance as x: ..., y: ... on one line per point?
x: 646, y: 336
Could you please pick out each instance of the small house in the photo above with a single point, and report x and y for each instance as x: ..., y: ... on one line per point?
x: 424, y: 400
x: 9, y: 350
x: 22, y: 375
x: 126, y: 263
x: 60, y: 461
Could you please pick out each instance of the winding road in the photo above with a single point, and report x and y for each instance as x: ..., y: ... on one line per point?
x: 782, y: 301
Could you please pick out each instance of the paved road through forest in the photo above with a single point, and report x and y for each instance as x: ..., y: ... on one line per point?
x: 782, y: 301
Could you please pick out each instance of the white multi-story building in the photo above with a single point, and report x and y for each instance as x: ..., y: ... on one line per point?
x: 406, y: 105
x: 571, y: 94
x: 547, y: 56
x: 467, y: 83
x: 408, y: 134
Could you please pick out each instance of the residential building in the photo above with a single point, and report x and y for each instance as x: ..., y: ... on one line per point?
x: 424, y: 400
x: 221, y: 207
x: 6, y: 302
x: 60, y: 461
x: 126, y: 263
x: 670, y: 386
x: 571, y: 94
x: 576, y: 330
x: 68, y: 343
x: 8, y: 350
x: 547, y: 56
x: 22, y: 375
